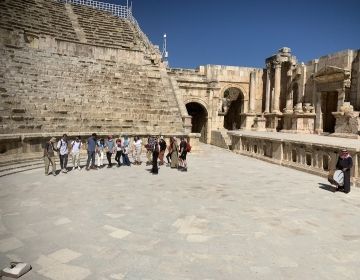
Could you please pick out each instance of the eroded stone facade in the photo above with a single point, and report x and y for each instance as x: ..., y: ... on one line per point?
x: 321, y: 96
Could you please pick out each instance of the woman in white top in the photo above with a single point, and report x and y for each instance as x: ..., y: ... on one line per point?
x: 75, y: 152
x: 137, y: 145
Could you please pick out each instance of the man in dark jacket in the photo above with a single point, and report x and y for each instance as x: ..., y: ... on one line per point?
x: 345, y: 164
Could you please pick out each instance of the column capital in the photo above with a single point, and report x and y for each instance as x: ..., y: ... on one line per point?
x: 276, y: 64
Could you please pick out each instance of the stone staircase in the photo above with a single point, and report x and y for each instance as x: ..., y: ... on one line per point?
x: 14, y: 164
x: 221, y: 139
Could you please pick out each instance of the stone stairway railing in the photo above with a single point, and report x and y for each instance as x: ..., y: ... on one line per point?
x: 309, y: 156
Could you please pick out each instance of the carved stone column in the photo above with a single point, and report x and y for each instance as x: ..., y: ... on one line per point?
x: 319, y: 119
x: 341, y: 98
x: 289, y: 96
x: 276, y: 105
x: 267, y: 96
x: 252, y: 92
x: 316, y: 63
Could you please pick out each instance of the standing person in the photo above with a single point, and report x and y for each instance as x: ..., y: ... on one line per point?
x: 162, y: 145
x: 109, y: 148
x: 137, y: 146
x: 91, y: 149
x: 100, y: 152
x: 183, y: 152
x: 62, y: 146
x: 345, y: 163
x: 168, y: 155
x: 75, y: 152
x: 125, y: 151
x: 174, y: 153
x: 149, y: 150
x: 155, y: 155
x: 118, y: 151
x: 49, y: 156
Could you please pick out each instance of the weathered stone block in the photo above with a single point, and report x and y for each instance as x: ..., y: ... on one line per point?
x: 17, y: 118
x: 18, y: 110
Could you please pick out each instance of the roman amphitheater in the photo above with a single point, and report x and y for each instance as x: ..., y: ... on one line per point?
x: 78, y: 67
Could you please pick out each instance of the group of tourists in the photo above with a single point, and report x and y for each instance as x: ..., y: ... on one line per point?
x: 121, y: 148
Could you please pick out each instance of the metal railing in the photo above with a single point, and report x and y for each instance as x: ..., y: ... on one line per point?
x: 116, y: 10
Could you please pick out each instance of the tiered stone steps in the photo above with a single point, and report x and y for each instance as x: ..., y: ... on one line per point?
x: 74, y: 94
x: 19, y: 163
x: 37, y: 17
x: 46, y: 91
x: 104, y: 29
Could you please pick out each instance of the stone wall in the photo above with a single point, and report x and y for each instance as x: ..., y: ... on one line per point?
x: 354, y: 97
x: 343, y: 59
x: 207, y: 85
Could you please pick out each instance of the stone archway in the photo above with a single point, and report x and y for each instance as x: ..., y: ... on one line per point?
x: 199, y: 119
x: 233, y: 107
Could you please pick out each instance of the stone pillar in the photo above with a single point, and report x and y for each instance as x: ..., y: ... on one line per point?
x: 316, y: 63
x: 318, y: 120
x: 276, y: 105
x: 341, y: 98
x: 289, y: 96
x: 303, y: 82
x: 267, y: 96
x: 252, y: 92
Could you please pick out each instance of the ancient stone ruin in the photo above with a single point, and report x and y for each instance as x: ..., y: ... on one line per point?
x: 80, y: 66
x: 74, y: 68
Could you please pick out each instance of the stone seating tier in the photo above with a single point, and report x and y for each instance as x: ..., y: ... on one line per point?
x: 37, y: 17
x: 48, y: 92
x: 51, y: 18
x: 102, y: 28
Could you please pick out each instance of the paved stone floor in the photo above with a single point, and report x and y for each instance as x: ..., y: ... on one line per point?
x: 228, y: 217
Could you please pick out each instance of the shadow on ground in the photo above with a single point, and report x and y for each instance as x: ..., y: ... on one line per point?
x: 327, y: 187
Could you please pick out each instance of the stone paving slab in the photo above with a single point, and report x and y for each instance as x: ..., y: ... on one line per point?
x: 228, y: 217
x: 307, y: 138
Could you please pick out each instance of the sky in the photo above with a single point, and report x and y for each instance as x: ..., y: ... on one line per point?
x: 245, y: 33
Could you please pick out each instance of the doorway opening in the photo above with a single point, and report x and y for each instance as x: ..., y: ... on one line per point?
x: 233, y: 116
x: 199, y: 119
x: 329, y: 102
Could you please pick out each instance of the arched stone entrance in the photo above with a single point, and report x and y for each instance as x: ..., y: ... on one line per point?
x: 233, y: 101
x: 199, y: 119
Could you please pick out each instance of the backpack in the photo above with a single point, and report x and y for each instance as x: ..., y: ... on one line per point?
x: 188, y: 147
